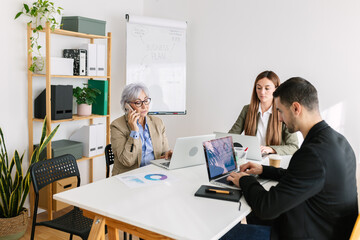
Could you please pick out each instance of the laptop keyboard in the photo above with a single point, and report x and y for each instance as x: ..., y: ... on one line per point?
x: 166, y: 164
x: 223, y: 180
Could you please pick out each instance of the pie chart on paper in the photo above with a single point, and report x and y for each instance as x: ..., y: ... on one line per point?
x: 155, y: 177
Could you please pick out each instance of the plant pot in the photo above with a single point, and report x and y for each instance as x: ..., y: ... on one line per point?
x: 84, y: 109
x: 15, y: 227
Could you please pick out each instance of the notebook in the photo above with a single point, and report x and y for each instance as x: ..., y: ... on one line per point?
x: 210, y: 192
x: 250, y: 142
x: 187, y: 152
x: 220, y: 161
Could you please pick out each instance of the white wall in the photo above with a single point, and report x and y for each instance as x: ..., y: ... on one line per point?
x: 230, y: 42
x: 13, y: 81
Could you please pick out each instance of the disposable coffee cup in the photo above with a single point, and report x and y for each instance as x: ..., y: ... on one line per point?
x: 274, y: 160
x: 240, y: 154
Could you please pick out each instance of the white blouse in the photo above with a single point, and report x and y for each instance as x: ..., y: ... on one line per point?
x: 262, y: 125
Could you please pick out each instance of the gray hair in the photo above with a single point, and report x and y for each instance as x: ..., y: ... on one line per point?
x: 132, y: 92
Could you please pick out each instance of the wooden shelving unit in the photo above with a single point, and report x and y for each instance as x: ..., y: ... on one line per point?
x: 48, y: 32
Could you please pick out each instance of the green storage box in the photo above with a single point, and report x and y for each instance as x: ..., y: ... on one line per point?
x: 83, y: 25
x: 62, y: 147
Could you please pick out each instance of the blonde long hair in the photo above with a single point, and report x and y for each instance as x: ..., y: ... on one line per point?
x: 273, y: 132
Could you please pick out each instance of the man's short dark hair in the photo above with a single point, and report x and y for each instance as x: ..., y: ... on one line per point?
x: 299, y: 90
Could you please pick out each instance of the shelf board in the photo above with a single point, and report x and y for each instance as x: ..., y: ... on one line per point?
x: 87, y: 158
x: 68, y: 76
x: 75, y: 34
x: 74, y: 118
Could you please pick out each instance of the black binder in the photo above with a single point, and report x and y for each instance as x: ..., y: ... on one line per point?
x: 80, y: 63
x: 234, y: 195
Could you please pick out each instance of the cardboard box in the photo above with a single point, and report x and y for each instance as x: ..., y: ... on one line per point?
x: 83, y: 25
x: 57, y: 187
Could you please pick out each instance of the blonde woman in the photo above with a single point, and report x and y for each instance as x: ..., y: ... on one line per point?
x: 260, y: 118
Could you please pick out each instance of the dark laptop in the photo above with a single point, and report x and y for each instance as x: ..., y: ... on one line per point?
x: 220, y: 161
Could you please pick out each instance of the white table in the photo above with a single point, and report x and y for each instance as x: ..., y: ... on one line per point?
x: 168, y: 209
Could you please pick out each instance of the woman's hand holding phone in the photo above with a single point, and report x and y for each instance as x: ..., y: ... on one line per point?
x: 133, y: 117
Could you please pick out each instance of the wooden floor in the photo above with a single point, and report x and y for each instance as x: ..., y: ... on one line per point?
x: 45, y: 233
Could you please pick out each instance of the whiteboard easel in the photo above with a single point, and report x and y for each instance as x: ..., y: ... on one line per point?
x: 156, y: 56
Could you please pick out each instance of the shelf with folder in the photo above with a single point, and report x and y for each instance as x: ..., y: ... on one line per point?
x: 105, y: 74
x: 67, y: 76
x: 74, y: 118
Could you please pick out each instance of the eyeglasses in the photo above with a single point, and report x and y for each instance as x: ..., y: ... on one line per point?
x: 139, y: 103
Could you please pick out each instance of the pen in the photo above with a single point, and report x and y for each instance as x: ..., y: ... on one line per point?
x: 246, y: 149
x: 218, y: 191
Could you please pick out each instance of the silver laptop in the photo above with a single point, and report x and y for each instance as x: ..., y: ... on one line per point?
x: 188, y: 152
x: 220, y: 161
x: 251, y: 142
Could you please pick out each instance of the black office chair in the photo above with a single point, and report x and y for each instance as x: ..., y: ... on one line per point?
x: 46, y: 172
x: 109, y: 158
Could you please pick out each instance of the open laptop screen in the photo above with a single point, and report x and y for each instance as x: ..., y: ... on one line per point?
x: 220, y: 156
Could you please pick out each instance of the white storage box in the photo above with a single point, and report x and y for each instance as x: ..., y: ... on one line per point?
x: 93, y: 138
x: 60, y: 66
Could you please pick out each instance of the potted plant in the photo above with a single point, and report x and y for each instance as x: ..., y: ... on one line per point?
x: 85, y: 97
x: 14, y: 186
x: 40, y: 12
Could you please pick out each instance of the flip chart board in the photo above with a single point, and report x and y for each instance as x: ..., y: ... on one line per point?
x: 156, y: 56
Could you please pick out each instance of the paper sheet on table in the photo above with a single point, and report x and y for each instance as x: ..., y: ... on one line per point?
x: 145, y: 179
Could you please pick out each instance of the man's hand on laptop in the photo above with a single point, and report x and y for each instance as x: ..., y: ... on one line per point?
x: 245, y: 170
x: 167, y: 155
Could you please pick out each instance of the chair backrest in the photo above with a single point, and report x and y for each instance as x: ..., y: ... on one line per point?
x: 48, y: 171
x: 109, y: 158
x: 355, y: 235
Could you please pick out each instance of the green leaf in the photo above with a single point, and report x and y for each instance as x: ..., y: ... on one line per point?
x: 26, y: 8
x: 18, y: 163
x: 32, y: 68
x: 18, y: 14
x: 48, y: 139
x: 43, y: 131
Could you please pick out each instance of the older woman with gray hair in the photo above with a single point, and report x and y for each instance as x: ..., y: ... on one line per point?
x: 137, y: 138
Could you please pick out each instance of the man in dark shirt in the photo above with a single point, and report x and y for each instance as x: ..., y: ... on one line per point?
x: 316, y: 197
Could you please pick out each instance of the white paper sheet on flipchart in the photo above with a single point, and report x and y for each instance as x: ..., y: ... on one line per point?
x: 156, y: 56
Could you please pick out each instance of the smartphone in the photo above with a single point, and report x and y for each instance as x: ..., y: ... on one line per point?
x: 128, y: 107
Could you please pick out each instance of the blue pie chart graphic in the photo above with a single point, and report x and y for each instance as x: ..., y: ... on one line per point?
x: 155, y: 177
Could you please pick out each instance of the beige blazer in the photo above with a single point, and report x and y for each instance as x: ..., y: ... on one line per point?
x: 121, y: 143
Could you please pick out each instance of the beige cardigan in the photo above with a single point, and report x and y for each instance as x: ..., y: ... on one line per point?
x: 122, y: 143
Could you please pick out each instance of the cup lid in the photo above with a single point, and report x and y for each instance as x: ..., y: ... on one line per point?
x: 275, y: 156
